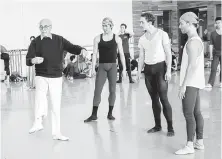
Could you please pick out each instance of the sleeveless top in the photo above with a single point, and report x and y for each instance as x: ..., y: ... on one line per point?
x: 107, y: 50
x: 125, y: 42
x: 197, y: 79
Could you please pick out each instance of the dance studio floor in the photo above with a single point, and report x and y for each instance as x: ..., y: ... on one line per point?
x: 124, y: 138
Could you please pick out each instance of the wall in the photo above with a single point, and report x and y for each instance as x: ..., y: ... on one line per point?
x: 218, y: 10
x: 174, y: 6
x: 211, y: 10
x: 139, y: 6
x: 78, y: 21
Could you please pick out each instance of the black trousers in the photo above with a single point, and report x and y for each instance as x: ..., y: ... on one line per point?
x: 158, y: 88
x: 214, y: 65
x: 128, y: 66
x: 5, y: 57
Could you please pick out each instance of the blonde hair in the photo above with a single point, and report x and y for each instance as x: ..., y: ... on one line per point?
x: 108, y: 21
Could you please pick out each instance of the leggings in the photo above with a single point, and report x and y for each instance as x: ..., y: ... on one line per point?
x: 192, y: 113
x: 128, y: 66
x: 214, y: 65
x: 157, y: 88
x: 105, y: 70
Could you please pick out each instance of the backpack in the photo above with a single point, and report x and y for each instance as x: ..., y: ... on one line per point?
x: 15, y: 77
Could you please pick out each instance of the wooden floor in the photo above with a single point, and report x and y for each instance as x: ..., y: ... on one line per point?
x: 124, y: 138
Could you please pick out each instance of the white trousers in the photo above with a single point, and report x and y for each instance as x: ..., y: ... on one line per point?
x: 31, y: 76
x: 54, y: 86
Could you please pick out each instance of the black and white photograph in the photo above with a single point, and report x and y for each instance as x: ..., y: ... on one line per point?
x: 110, y: 79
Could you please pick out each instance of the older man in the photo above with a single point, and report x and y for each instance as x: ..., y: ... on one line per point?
x: 46, y: 53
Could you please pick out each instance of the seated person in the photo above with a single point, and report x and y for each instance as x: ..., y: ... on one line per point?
x: 66, y: 60
x: 174, y: 62
x: 90, y: 63
x: 72, y: 71
x: 134, y: 67
x: 84, y: 65
x: 88, y: 68
x: 5, y: 57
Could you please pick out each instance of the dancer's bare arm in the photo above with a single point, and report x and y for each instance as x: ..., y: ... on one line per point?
x: 121, y: 53
x: 95, y: 52
x: 167, y: 50
x: 141, y: 60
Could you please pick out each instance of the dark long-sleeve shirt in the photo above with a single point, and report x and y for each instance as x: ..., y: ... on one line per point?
x: 215, y: 40
x: 52, y: 52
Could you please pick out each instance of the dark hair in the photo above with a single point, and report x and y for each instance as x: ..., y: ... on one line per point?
x: 72, y: 57
x: 32, y: 37
x: 196, y: 25
x: 124, y: 25
x: 217, y: 18
x: 149, y: 17
x: 134, y: 64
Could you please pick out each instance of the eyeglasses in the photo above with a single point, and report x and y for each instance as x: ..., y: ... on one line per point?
x: 44, y: 27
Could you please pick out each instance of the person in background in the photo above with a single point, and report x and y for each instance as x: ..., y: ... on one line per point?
x: 6, y: 58
x: 206, y: 43
x: 215, y: 52
x: 73, y: 71
x: 174, y: 61
x: 184, y: 38
x: 125, y: 36
x: 205, y: 35
x: 32, y: 38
